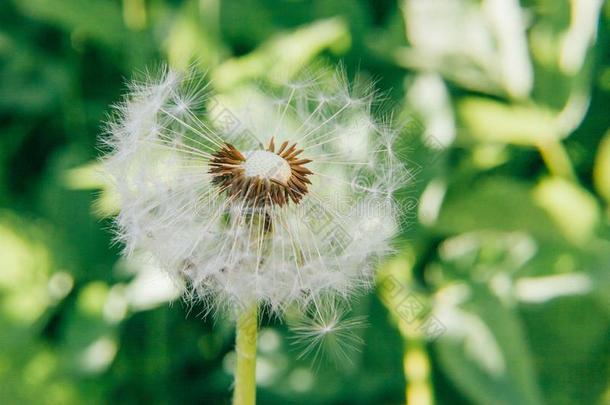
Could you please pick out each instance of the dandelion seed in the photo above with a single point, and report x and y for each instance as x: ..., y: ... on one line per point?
x: 328, y: 333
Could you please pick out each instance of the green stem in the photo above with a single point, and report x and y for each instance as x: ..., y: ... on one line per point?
x: 557, y: 160
x: 416, y: 366
x: 396, y: 283
x: 245, y: 347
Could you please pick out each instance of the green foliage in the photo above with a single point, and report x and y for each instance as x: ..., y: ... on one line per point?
x: 506, y: 239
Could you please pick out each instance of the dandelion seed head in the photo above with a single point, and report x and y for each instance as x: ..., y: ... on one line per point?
x: 272, y: 197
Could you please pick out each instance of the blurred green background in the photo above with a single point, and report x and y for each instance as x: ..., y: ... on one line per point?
x: 505, y: 242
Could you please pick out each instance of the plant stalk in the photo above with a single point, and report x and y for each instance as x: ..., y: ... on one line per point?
x: 245, y: 348
x: 557, y: 160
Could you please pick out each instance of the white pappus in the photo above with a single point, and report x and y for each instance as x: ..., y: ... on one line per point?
x: 294, y: 205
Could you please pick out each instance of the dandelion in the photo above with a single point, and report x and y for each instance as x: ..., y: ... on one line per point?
x: 262, y: 201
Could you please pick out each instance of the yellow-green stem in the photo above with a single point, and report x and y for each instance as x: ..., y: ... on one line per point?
x: 557, y: 160
x: 394, y: 281
x: 416, y: 365
x: 245, y: 348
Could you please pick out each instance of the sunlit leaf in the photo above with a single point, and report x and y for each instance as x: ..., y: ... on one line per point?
x: 190, y: 40
x: 281, y: 57
x: 601, y: 173
x: 572, y: 208
x: 492, y: 121
x: 484, y: 352
x: 496, y: 204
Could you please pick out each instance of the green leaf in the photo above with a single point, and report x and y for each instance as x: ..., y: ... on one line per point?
x: 497, y: 204
x: 190, y: 38
x: 569, y: 336
x: 284, y: 55
x: 601, y: 173
x: 572, y: 208
x: 492, y: 121
x: 98, y: 19
x: 89, y: 344
x: 485, y: 354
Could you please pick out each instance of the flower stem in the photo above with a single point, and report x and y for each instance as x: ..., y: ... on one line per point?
x: 245, y: 347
